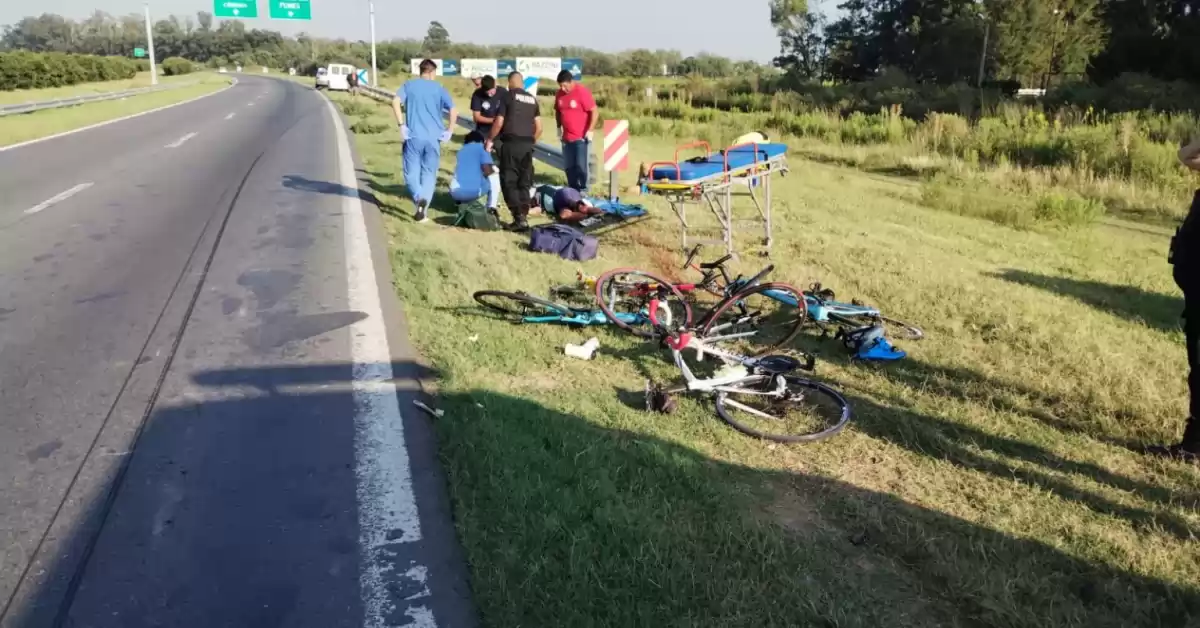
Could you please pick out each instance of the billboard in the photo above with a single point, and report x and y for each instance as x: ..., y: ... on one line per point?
x: 472, y: 68
x: 449, y: 68
x: 575, y: 67
x: 540, y: 67
x: 504, y: 67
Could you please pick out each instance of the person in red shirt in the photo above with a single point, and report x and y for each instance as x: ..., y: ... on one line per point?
x: 575, y: 113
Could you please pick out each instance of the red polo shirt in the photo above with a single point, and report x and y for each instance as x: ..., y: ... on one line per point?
x: 573, y: 108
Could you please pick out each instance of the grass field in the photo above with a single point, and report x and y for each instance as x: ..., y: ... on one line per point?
x: 986, y: 480
x: 23, y: 127
x: 85, y: 89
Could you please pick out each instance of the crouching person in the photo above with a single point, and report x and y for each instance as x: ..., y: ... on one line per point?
x: 475, y: 174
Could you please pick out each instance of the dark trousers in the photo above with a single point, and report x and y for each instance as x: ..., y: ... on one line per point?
x: 575, y: 156
x: 516, y: 175
x: 1187, y: 277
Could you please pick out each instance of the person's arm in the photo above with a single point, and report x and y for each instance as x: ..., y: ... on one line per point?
x: 488, y: 166
x: 448, y: 103
x: 537, y: 128
x: 497, y: 122
x: 558, y: 119
x: 398, y: 106
x: 1189, y: 155
x: 477, y: 111
x: 589, y: 106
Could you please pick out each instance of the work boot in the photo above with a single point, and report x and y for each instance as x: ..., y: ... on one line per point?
x: 1188, y: 449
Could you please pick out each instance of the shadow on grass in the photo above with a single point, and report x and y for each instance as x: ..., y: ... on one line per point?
x: 900, y: 170
x: 572, y: 523
x: 1132, y: 304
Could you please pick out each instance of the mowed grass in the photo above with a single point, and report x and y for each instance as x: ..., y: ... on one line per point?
x: 986, y: 480
x: 23, y: 127
x: 87, y: 89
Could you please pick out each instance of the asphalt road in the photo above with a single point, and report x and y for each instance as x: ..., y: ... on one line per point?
x: 205, y: 386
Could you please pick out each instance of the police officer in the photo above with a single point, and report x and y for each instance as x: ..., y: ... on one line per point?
x: 1185, y: 257
x: 518, y: 124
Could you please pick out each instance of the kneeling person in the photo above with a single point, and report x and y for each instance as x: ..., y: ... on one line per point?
x: 475, y: 174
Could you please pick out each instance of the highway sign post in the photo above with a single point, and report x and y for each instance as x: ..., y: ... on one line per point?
x: 616, y: 152
x: 364, y: 77
x: 235, y: 9
x: 290, y: 9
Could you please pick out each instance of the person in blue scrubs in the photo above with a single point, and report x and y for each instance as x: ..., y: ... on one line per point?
x: 475, y: 174
x: 421, y: 105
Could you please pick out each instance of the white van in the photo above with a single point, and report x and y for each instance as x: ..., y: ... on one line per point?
x: 339, y: 76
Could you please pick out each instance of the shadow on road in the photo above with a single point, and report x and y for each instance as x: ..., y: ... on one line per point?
x: 240, y: 507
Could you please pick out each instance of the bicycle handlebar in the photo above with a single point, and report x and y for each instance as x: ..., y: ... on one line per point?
x: 753, y: 281
x: 691, y: 257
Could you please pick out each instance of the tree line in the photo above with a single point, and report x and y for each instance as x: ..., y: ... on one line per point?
x: 204, y: 40
x: 1035, y: 42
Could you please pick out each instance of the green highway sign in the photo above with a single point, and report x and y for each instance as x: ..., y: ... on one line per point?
x: 139, y: 52
x: 291, y: 9
x: 235, y: 9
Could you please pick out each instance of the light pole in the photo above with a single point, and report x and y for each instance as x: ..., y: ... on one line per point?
x: 150, y: 45
x: 374, y: 59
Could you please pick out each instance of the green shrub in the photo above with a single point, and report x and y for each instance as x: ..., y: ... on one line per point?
x: 363, y: 126
x: 177, y: 66
x: 30, y: 70
x: 356, y: 108
x: 1067, y: 209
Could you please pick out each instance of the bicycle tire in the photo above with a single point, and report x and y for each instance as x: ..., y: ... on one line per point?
x: 724, y: 403
x: 571, y: 295
x: 647, y: 332
x: 515, y: 305
x: 723, y: 308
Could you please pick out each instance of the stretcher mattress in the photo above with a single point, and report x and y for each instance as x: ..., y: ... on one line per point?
x: 739, y: 158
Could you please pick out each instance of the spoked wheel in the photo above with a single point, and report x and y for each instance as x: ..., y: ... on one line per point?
x: 516, y: 306
x: 758, y: 320
x: 625, y: 293
x: 785, y: 409
x: 894, y: 328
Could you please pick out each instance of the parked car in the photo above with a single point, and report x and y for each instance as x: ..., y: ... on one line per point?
x: 322, y: 78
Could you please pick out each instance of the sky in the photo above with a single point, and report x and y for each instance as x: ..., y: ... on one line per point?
x: 735, y: 29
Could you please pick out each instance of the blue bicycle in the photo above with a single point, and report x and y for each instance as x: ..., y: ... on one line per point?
x: 520, y: 307
x: 824, y: 310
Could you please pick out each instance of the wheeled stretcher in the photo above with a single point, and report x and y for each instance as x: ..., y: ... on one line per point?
x: 709, y: 180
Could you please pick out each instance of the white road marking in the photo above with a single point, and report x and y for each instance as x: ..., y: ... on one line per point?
x: 180, y: 142
x: 387, y: 506
x: 58, y: 198
x: 230, y: 116
x: 114, y: 121
x: 250, y: 105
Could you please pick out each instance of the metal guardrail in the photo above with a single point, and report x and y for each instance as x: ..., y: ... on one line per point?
x: 545, y: 153
x: 29, y: 107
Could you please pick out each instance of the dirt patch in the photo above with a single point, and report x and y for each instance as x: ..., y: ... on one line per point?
x: 796, y: 511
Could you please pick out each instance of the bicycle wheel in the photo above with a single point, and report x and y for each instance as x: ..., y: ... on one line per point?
x: 784, y: 409
x: 894, y: 328
x: 757, y: 318
x: 517, y: 306
x: 628, y: 291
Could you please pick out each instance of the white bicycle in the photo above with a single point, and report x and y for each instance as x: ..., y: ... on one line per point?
x: 758, y: 396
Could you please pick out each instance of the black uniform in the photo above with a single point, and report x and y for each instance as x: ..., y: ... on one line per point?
x: 520, y: 110
x: 487, y: 106
x: 1185, y: 256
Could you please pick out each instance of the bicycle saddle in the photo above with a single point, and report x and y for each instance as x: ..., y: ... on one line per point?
x: 778, y: 364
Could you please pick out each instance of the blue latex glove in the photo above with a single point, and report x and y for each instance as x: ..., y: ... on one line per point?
x: 446, y: 136
x: 404, y: 132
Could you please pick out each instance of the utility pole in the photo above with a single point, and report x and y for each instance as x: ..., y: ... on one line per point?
x: 374, y: 60
x: 987, y: 30
x: 150, y: 45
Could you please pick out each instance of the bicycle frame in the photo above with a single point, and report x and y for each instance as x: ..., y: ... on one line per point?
x: 820, y: 310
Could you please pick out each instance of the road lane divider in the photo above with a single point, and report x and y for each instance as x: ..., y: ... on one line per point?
x: 230, y: 116
x: 58, y: 198
x: 181, y: 141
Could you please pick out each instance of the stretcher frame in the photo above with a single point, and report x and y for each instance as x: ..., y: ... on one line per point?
x: 716, y: 192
